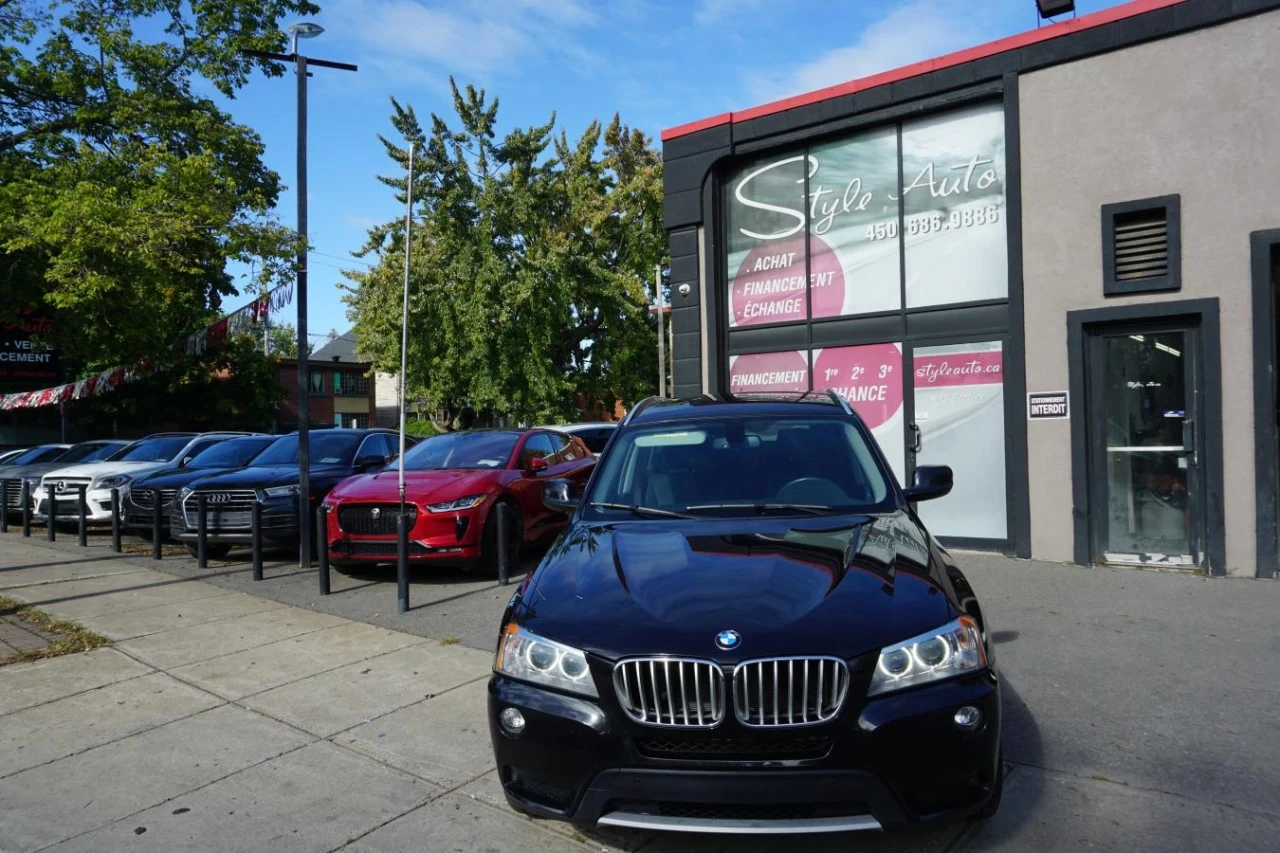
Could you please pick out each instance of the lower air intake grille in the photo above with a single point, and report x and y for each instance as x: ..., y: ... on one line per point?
x: 736, y: 748
x: 678, y: 692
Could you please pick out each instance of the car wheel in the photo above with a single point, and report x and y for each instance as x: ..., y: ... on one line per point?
x: 212, y: 552
x: 489, y: 541
x: 992, y: 805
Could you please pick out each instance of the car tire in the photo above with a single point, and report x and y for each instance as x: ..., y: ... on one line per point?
x: 992, y: 804
x: 488, y: 563
x: 212, y: 552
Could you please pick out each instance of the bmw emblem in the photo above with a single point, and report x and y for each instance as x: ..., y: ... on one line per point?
x: 728, y: 640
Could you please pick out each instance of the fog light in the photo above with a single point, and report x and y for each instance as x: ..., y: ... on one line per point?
x: 967, y: 717
x: 512, y: 721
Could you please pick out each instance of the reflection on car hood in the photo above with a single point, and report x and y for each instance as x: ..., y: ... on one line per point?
x: 838, y: 585
x: 422, y: 486
x: 176, y: 478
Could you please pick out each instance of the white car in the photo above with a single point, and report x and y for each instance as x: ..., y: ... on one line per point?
x: 594, y: 435
x: 162, y: 450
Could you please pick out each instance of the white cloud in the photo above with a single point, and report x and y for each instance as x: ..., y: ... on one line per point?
x: 919, y: 30
x: 474, y: 38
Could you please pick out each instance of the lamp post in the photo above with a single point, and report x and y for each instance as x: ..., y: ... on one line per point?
x: 303, y: 30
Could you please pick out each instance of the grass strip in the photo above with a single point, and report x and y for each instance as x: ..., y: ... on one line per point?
x: 69, y: 637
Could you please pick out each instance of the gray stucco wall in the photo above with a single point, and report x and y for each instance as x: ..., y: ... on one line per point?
x: 1190, y: 115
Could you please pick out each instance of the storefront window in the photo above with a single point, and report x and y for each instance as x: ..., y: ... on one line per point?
x: 766, y: 243
x: 870, y: 378
x: 768, y: 371
x: 959, y: 406
x: 954, y: 212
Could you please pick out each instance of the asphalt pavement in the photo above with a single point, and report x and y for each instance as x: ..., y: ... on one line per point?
x: 1139, y: 712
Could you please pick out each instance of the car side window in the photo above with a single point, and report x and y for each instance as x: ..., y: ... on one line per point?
x: 537, y: 446
x: 562, y: 447
x: 372, y: 446
x: 196, y: 448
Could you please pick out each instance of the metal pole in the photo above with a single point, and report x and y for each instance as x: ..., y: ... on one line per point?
x: 155, y: 526
x: 115, y: 518
x: 202, y: 530
x: 662, y: 344
x: 671, y: 349
x: 402, y: 527
x: 322, y: 548
x: 257, y: 540
x: 51, y: 513
x: 26, y: 509
x: 504, y: 552
x: 4, y: 506
x: 402, y: 563
x: 304, y: 380
x: 81, y: 491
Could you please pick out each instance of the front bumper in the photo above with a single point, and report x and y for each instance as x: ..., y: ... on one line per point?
x: 279, y: 525
x: 67, y: 505
x: 885, y: 763
x: 434, y: 537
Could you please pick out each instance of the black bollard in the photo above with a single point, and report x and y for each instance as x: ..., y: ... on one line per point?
x: 402, y: 561
x: 4, y: 506
x: 155, y: 528
x: 26, y: 509
x: 504, y: 542
x: 202, y: 530
x: 256, y: 518
x: 51, y: 513
x: 83, y: 510
x: 322, y: 548
x: 115, y: 520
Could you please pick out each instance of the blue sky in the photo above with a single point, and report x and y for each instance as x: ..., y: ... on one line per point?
x: 658, y: 63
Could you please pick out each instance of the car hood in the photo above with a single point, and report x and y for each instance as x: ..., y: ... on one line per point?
x: 322, y: 477
x: 33, y: 469
x: 102, y: 469
x: 836, y: 585
x: 422, y: 486
x: 176, y: 478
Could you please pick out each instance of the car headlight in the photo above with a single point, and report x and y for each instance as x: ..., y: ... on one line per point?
x: 954, y: 649
x: 33, y: 483
x: 112, y: 481
x: 281, y: 491
x: 183, y: 494
x: 469, y: 502
x: 523, y: 654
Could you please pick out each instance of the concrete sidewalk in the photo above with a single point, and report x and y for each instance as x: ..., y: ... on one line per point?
x: 1138, y: 717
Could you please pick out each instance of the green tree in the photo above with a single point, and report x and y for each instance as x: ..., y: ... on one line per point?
x: 123, y: 191
x: 282, y: 341
x: 529, y: 265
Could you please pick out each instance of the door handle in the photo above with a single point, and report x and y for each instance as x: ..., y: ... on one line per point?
x: 1189, y: 438
x: 916, y: 441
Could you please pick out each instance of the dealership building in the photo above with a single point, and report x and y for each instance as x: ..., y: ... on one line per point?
x: 1049, y: 262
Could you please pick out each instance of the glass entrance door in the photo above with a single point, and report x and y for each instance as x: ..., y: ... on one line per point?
x: 1143, y: 413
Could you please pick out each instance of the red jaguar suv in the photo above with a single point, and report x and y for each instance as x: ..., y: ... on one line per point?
x: 452, y: 483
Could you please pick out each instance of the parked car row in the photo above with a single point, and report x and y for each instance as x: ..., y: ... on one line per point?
x: 453, y: 482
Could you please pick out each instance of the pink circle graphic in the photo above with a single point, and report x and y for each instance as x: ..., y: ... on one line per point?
x: 770, y: 284
x: 869, y: 377
x: 769, y: 371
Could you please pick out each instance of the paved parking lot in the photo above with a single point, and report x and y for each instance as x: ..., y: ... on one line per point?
x: 234, y: 715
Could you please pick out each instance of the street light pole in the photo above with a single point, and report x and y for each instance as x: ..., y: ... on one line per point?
x: 303, y: 30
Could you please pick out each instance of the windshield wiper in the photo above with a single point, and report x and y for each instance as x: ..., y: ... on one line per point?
x: 636, y: 509
x: 762, y: 508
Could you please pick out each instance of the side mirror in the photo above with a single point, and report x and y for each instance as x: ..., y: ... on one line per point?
x: 536, y: 465
x: 929, y: 482
x: 364, y: 463
x: 557, y: 496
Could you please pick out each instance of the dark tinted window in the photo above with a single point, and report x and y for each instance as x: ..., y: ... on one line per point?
x: 537, y: 447
x: 461, y: 450
x: 374, y: 445
x: 38, y: 454
x: 326, y: 448
x: 90, y: 451
x: 230, y: 454
x: 595, y: 439
x: 561, y: 446
x: 820, y: 462
x: 154, y: 449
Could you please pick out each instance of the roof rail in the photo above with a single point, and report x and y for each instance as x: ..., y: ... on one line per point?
x: 638, y: 408
x: 840, y: 401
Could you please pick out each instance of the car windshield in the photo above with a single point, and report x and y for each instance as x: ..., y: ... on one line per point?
x: 230, y: 454
x: 90, y: 451
x: 153, y: 449
x: 740, y: 466
x: 461, y: 450
x: 38, y: 454
x: 324, y: 449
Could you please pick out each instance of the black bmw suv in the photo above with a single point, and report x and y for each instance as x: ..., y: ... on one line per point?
x: 746, y: 628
